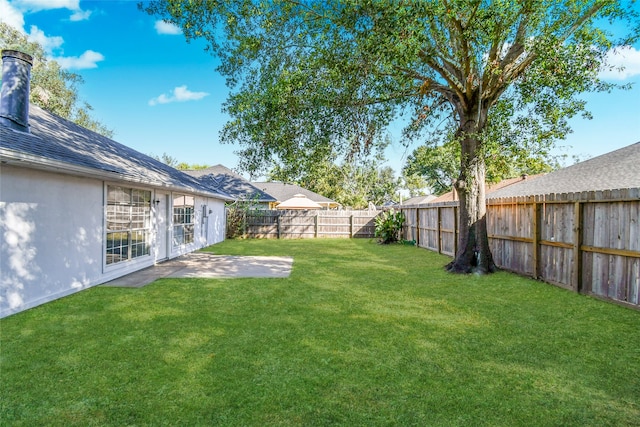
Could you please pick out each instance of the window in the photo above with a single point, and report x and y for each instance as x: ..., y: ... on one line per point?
x: 183, y: 220
x: 128, y: 224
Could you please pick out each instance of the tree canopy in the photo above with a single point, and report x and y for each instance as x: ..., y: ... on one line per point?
x: 175, y: 163
x: 439, y: 163
x: 354, y: 183
x: 311, y: 78
x: 52, y: 88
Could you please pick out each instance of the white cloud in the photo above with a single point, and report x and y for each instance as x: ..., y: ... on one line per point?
x: 179, y: 94
x: 30, y: 6
x: 88, y: 59
x: 37, y: 5
x: 80, y: 15
x: 622, y: 63
x: 163, y: 27
x: 13, y: 13
x: 48, y: 43
x: 11, y: 16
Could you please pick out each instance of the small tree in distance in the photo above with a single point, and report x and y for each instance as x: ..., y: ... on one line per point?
x: 175, y: 163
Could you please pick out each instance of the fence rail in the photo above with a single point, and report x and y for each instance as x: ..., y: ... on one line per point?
x: 295, y: 224
x: 586, y: 242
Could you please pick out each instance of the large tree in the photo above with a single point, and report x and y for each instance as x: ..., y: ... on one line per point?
x: 52, y: 88
x: 309, y: 76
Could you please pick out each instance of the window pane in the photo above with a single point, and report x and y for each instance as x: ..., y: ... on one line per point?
x: 118, y: 195
x: 140, y: 197
x: 117, y: 247
x: 118, y: 217
x: 183, y: 219
x: 188, y: 234
x: 139, y: 243
x: 128, y: 217
x: 178, y: 202
x: 178, y: 235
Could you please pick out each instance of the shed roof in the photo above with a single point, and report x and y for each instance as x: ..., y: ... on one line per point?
x: 299, y: 201
x: 60, y: 145
x: 220, y: 177
x: 619, y: 169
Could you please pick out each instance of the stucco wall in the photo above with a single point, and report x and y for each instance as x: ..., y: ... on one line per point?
x: 209, y: 225
x: 52, y: 237
x: 216, y: 221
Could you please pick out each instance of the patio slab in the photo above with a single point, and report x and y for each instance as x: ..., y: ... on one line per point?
x: 208, y: 265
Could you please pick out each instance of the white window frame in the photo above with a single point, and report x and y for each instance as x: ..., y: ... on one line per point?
x: 183, y: 220
x: 139, y: 222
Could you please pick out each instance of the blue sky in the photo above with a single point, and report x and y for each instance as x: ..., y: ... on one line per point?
x: 161, y: 94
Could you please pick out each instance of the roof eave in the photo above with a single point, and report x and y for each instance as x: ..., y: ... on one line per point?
x: 16, y: 158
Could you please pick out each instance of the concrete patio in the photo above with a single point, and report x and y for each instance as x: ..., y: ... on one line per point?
x: 208, y: 265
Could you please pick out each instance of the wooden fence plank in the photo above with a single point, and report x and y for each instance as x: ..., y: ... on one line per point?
x: 577, y: 244
x: 588, y: 242
x: 536, y: 239
x: 310, y: 224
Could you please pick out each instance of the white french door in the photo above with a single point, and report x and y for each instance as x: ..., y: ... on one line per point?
x: 162, y: 226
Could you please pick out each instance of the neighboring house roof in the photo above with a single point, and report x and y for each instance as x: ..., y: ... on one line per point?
x: 224, y: 179
x: 418, y: 200
x: 616, y: 170
x: 299, y: 201
x: 281, y: 192
x: 59, y: 145
x: 489, y: 188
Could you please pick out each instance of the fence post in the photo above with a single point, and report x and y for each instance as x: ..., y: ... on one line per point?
x: 577, y: 244
x: 439, y: 230
x: 351, y: 226
x: 315, y: 226
x: 455, y: 230
x: 417, y: 235
x: 278, y: 224
x: 536, y: 239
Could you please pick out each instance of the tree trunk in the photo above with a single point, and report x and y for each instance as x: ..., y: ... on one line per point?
x: 473, y: 254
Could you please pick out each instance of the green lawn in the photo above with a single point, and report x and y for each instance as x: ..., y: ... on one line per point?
x: 360, y: 335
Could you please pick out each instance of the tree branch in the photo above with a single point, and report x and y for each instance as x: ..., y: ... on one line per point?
x: 443, y: 72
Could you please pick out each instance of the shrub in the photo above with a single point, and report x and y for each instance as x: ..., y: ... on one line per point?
x: 237, y: 217
x: 389, y: 225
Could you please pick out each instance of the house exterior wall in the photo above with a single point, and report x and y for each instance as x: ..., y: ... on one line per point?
x: 209, y: 225
x: 52, y: 235
x: 52, y: 228
x: 216, y: 221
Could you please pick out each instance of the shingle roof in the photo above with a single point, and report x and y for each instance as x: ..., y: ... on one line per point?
x: 616, y: 170
x: 221, y: 178
x: 419, y: 200
x: 281, y: 192
x: 489, y: 188
x: 59, y: 143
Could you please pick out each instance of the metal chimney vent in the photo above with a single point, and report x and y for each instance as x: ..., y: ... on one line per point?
x: 14, y: 98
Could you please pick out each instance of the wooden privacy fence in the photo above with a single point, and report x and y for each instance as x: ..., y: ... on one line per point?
x: 296, y: 224
x: 587, y: 242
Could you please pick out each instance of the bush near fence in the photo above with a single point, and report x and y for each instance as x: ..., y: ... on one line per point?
x: 297, y: 224
x: 586, y: 242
